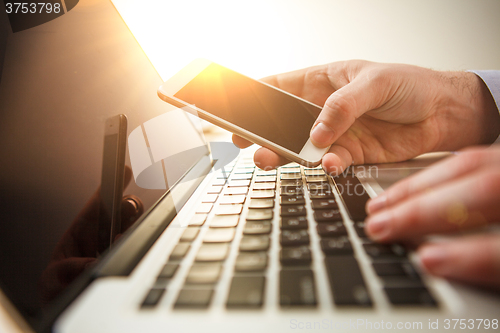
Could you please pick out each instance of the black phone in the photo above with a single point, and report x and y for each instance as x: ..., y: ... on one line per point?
x: 112, y: 179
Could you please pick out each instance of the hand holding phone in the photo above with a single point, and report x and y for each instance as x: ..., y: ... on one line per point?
x: 249, y: 108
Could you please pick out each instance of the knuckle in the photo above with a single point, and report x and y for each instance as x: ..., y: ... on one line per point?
x: 341, y: 106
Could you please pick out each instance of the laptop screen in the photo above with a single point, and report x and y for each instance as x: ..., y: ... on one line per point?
x: 60, y: 83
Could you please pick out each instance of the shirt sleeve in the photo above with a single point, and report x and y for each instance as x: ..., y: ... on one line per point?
x: 492, y: 80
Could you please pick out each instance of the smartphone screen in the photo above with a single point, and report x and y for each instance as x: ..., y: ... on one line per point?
x: 252, y: 105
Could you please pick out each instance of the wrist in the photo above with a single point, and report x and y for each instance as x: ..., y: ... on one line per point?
x: 470, y: 112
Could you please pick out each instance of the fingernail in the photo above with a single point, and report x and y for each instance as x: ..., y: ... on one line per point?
x: 378, y: 226
x: 322, y: 134
x: 433, y: 258
x: 376, y: 203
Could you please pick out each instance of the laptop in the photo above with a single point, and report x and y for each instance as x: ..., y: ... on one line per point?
x: 221, y: 246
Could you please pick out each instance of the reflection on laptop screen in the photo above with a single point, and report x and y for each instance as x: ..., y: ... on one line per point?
x: 74, y: 74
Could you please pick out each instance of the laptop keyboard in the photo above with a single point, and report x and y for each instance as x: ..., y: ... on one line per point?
x: 244, y: 194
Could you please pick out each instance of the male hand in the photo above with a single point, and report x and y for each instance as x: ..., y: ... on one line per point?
x: 376, y: 113
x: 459, y: 194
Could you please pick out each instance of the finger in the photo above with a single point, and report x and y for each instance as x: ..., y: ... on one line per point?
x: 346, y: 151
x: 336, y: 160
x: 266, y: 159
x: 473, y: 259
x: 442, y: 172
x: 343, y: 107
x: 466, y: 203
x: 240, y: 142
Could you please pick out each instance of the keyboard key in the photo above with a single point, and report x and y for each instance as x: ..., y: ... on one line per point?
x: 254, y: 243
x: 314, y: 172
x: 293, y: 222
x: 327, y: 215
x: 212, y: 252
x: 153, y: 297
x: 318, y: 187
x: 241, y: 176
x: 263, y: 173
x: 243, y: 171
x: 384, y: 250
x: 410, y: 296
x: 219, y: 235
x: 336, y: 246
x: 354, y: 195
x: 262, y: 194
x: 316, y: 179
x: 294, y: 237
x: 296, y: 175
x: 218, y: 182
x: 238, y: 183
x: 360, y: 229
x: 346, y: 281
x: 292, y: 190
x: 331, y: 229
x: 293, y: 200
x: 224, y: 221
x: 236, y: 190
x: 259, y: 214
x: 295, y: 256
x: 228, y: 209
x: 257, y: 228
x: 232, y: 199
x: 291, y: 182
x: 246, y: 291
x: 247, y: 165
x: 179, y: 251
x: 324, y: 204
x: 251, y: 262
x: 204, y: 208
x: 264, y: 186
x: 394, y: 268
x: 293, y: 210
x: 215, y: 189
x: 194, y: 298
x: 265, y: 179
x: 209, y: 197
x: 205, y: 273
x: 262, y: 203
x: 402, y: 281
x: 168, y: 271
x: 290, y: 170
x: 321, y: 194
x: 297, y: 287
x: 198, y: 220
x: 189, y: 234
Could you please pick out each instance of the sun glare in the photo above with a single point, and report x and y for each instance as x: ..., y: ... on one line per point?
x: 233, y: 33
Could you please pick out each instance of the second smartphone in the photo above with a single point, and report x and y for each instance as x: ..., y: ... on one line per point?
x: 254, y: 110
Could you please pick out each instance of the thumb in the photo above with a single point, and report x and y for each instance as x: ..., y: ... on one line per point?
x: 342, y: 108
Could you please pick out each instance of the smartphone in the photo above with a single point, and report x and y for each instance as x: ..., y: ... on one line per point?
x: 112, y: 178
x: 254, y: 110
